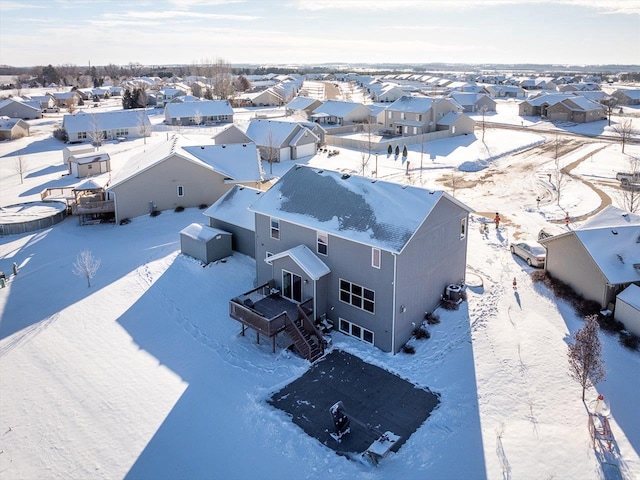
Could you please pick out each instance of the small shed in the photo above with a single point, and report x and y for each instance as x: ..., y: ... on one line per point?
x: 205, y: 243
x: 81, y: 166
x: 73, y: 150
x: 628, y: 308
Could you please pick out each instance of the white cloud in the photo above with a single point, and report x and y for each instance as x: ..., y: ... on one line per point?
x: 188, y: 4
x: 174, y: 14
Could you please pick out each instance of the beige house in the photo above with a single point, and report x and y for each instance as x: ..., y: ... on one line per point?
x: 179, y: 173
x: 578, y: 109
x: 417, y: 115
x: 599, y: 259
x: 334, y: 112
x: 12, y: 128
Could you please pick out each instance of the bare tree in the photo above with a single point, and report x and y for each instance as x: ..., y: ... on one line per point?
x: 629, y: 196
x: 144, y: 125
x: 272, y: 150
x: 20, y: 166
x: 17, y: 86
x: 197, y: 117
x: 95, y: 134
x: 222, y: 79
x: 560, y: 180
x: 625, y: 130
x: 196, y: 89
x: 71, y: 104
x: 86, y: 265
x: 483, y: 111
x: 585, y: 355
x: 609, y: 104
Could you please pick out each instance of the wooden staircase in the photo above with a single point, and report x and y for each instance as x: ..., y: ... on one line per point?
x: 305, y: 336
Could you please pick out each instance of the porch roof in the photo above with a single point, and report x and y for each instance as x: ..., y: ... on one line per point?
x: 305, y: 259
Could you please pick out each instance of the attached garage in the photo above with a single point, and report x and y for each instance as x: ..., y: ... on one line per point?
x: 628, y: 308
x: 205, y: 243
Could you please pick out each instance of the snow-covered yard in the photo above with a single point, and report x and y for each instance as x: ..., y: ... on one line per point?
x: 144, y: 375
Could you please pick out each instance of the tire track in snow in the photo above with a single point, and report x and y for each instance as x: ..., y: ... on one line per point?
x: 26, y: 334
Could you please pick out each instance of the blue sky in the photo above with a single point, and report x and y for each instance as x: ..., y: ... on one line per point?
x: 577, y: 32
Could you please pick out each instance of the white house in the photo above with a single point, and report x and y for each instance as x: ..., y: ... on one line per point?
x: 82, y: 126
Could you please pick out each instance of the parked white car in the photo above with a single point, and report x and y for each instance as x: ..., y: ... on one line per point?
x: 534, y: 255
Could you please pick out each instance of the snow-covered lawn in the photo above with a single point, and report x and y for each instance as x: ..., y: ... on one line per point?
x: 144, y: 375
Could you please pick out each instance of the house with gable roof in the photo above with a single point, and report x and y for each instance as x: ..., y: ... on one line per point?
x: 335, y: 112
x: 474, y: 102
x: 600, y: 258
x: 302, y: 106
x: 578, y: 109
x: 268, y: 97
x: 13, y: 108
x: 165, y: 95
x: 368, y: 256
x: 417, y: 115
x: 115, y: 124
x: 182, y: 172
x: 204, y: 112
x: 627, y: 96
x: 281, y: 141
x: 12, y: 128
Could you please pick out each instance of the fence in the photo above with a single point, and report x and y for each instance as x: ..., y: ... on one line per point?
x: 380, y: 146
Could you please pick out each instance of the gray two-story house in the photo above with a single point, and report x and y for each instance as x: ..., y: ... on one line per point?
x: 417, y: 115
x: 370, y: 257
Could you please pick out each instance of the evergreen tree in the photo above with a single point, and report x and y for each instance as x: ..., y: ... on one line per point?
x: 397, y: 150
x: 389, y: 150
x: 127, y: 101
x: 404, y: 152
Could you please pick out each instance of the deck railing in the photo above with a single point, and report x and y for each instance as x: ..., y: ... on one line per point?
x: 103, y: 206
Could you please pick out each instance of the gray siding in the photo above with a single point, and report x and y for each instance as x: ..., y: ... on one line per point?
x: 567, y: 260
x: 243, y: 241
x: 160, y: 183
x: 435, y: 257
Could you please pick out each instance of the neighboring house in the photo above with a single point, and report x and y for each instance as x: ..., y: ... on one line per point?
x: 457, y: 123
x: 16, y: 109
x: 46, y: 103
x: 418, y: 115
x: 577, y: 109
x: 334, y: 112
x: 627, y: 96
x: 179, y: 173
x: 12, y: 128
x: 263, y: 98
x: 65, y: 99
x: 206, y: 112
x: 505, y: 91
x: 628, y: 308
x: 369, y: 256
x: 281, y: 141
x: 231, y: 134
x: 81, y: 166
x: 474, y: 102
x: 599, y: 259
x: 302, y: 106
x: 165, y: 95
x: 231, y: 214
x: 82, y: 126
x: 386, y: 92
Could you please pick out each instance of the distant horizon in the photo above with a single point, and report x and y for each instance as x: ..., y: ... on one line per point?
x: 327, y: 32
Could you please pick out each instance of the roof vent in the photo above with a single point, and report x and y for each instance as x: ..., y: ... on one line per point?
x: 244, y: 144
x: 345, y: 176
x: 224, y: 146
x: 404, y: 186
x: 202, y: 147
x: 615, y: 232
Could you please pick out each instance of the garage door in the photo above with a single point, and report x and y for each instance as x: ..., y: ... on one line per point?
x: 305, y: 150
x: 285, y: 154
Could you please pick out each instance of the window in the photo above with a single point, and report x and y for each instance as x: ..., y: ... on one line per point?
x: 406, y: 129
x: 419, y: 117
x: 389, y: 116
x: 355, y: 331
x: 275, y: 228
x: 375, y: 257
x: 402, y: 116
x: 291, y: 286
x: 82, y: 135
x: 357, y: 296
x: 415, y: 130
x: 121, y: 132
x: 463, y: 228
x: 323, y: 243
x: 180, y: 191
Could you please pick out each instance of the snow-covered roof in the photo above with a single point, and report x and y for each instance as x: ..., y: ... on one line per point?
x: 548, y: 98
x: 631, y: 295
x: 305, y: 259
x: 615, y: 250
x: 84, y: 122
x: 94, y: 157
x: 89, y: 184
x: 337, y: 108
x: 450, y: 118
x: 271, y: 132
x: 206, y: 108
x: 202, y: 233
x: 634, y: 94
x: 9, y: 101
x: 612, y: 216
x: 239, y: 162
x: 233, y: 207
x: 376, y: 213
x: 467, y: 98
x: 582, y: 103
x: 412, y: 104
x: 300, y: 103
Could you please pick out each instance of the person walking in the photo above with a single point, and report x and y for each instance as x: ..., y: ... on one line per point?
x: 496, y: 220
x: 515, y: 283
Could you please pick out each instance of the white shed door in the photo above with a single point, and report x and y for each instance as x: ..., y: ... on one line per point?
x: 74, y: 169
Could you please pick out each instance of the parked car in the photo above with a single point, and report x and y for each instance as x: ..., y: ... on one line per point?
x: 534, y: 255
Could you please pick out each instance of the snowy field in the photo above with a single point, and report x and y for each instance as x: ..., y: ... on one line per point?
x: 144, y: 375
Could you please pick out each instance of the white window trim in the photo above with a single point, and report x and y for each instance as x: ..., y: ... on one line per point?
x: 325, y: 243
x: 362, y: 297
x: 373, y: 256
x: 271, y: 227
x: 463, y: 228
